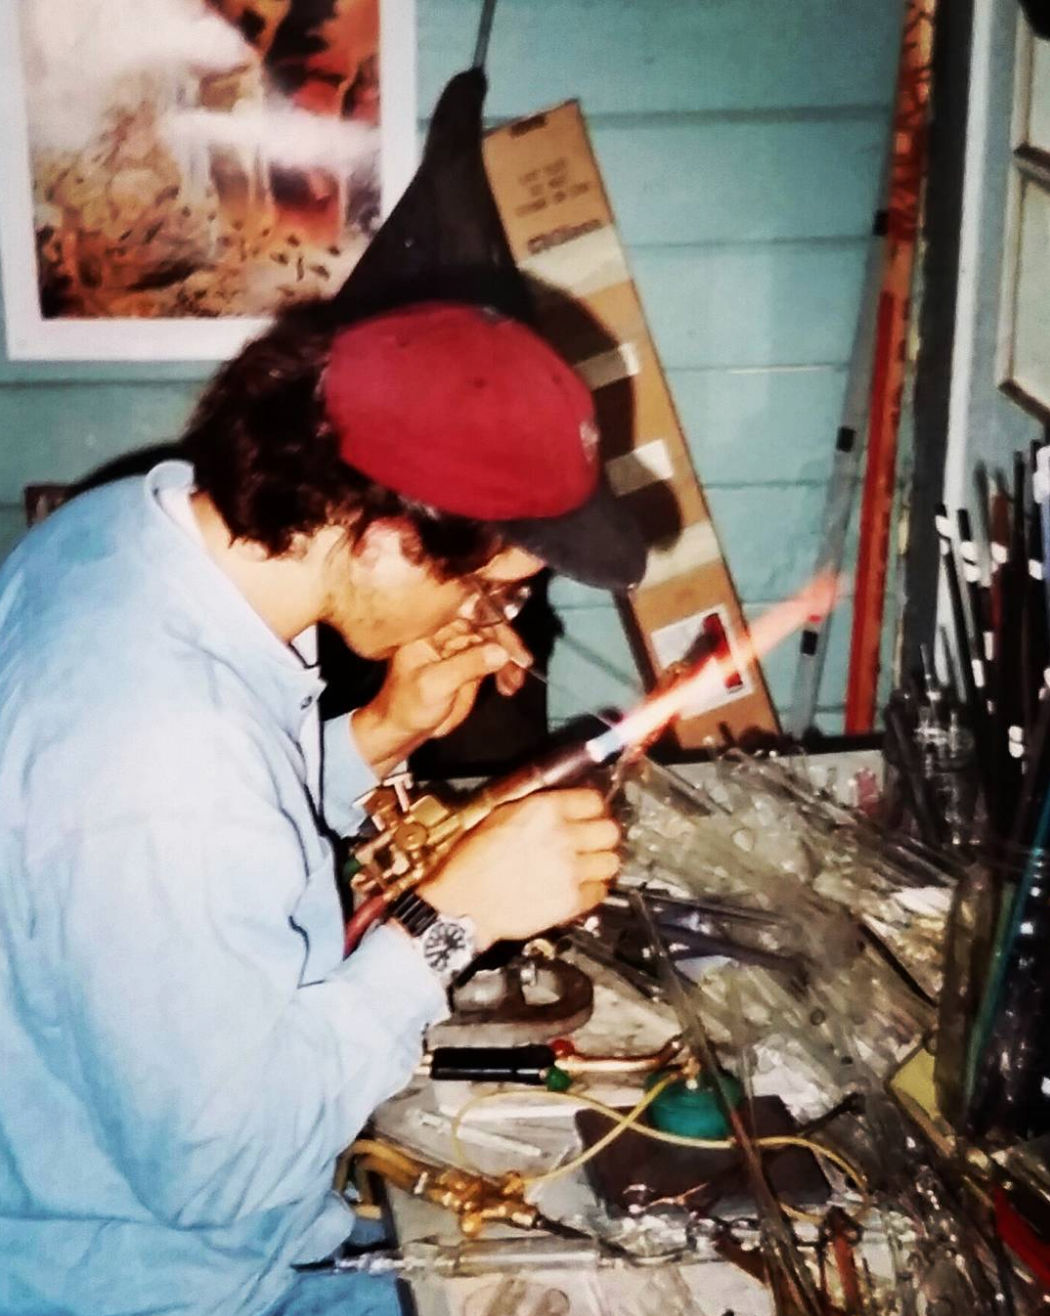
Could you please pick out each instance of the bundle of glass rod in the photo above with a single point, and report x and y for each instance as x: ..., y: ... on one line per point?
x: 931, y: 766
x: 945, y: 1254
x: 1000, y: 608
x: 829, y: 995
x: 758, y: 825
x: 792, y: 1287
x: 757, y: 835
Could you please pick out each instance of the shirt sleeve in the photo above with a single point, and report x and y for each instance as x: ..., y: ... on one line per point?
x: 223, y: 1085
x: 345, y: 777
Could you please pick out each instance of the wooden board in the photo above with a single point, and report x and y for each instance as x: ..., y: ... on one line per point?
x: 561, y: 230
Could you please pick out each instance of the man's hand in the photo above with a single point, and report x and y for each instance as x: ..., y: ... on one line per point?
x: 431, y: 686
x: 531, y: 865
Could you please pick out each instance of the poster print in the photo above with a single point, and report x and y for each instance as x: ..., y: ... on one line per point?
x: 178, y: 170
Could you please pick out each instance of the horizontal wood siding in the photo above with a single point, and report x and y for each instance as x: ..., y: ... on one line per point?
x: 740, y: 142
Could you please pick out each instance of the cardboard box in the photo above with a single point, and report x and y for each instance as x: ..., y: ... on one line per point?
x: 562, y: 233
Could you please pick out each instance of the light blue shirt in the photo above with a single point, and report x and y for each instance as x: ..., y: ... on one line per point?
x: 183, y: 1051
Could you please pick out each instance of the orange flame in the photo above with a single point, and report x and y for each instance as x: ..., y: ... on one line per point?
x: 810, y: 605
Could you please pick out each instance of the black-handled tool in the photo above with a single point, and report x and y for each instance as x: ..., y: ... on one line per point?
x: 493, y: 1064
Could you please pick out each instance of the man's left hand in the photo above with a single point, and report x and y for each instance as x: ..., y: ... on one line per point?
x: 431, y: 686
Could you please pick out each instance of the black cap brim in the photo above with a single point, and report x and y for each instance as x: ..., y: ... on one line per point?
x: 598, y: 544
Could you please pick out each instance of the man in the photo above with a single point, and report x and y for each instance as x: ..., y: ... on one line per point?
x: 183, y: 1049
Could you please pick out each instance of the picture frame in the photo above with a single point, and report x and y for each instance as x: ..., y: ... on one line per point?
x: 169, y: 182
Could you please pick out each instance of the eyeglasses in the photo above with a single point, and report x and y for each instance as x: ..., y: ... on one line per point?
x: 494, y: 604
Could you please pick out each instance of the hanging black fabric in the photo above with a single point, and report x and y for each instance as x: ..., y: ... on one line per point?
x: 444, y: 239
x: 1038, y: 14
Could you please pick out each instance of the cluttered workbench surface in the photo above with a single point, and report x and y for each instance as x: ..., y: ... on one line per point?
x: 719, y: 1092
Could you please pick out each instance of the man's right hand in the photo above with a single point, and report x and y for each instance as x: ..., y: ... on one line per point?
x: 529, y: 866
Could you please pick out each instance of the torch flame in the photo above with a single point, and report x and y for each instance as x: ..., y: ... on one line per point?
x: 708, y: 679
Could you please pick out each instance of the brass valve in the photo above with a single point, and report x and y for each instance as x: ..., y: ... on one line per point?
x: 414, y: 832
x: 474, y: 1199
x: 414, y: 835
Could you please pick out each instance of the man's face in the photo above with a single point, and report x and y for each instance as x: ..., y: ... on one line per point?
x: 378, y: 599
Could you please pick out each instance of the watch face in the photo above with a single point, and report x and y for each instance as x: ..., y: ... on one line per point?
x: 447, y: 945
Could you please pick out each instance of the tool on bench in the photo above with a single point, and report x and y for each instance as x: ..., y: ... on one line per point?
x: 473, y: 1257
x: 475, y: 1199
x: 552, y: 1066
x: 696, y: 930
x: 787, y: 1276
x: 531, y: 998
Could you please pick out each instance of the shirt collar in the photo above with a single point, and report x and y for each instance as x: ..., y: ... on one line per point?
x: 216, y: 614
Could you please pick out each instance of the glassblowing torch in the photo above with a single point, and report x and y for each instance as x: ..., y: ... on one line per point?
x: 414, y: 833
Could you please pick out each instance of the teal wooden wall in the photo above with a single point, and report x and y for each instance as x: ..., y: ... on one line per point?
x: 740, y: 142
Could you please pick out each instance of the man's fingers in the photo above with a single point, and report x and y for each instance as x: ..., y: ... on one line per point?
x: 510, y: 679
x: 460, y: 669
x: 452, y: 630
x: 591, y: 894
x: 578, y: 803
x: 515, y: 647
x: 599, y: 834
x: 456, y: 644
x: 598, y: 866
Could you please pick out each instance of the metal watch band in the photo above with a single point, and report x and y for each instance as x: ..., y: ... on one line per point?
x: 413, y: 913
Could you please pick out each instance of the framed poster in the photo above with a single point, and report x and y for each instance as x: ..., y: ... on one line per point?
x: 1022, y: 361
x: 175, y: 171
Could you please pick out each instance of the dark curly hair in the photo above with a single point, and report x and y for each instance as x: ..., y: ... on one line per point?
x: 267, y: 456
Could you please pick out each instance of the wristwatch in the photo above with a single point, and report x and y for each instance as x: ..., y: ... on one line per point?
x: 448, y: 944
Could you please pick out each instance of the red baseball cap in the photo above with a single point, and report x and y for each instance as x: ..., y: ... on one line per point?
x: 473, y: 413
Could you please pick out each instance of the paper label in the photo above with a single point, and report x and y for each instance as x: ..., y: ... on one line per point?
x: 695, y: 547
x: 609, y: 367
x: 673, y: 642
x: 650, y: 463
